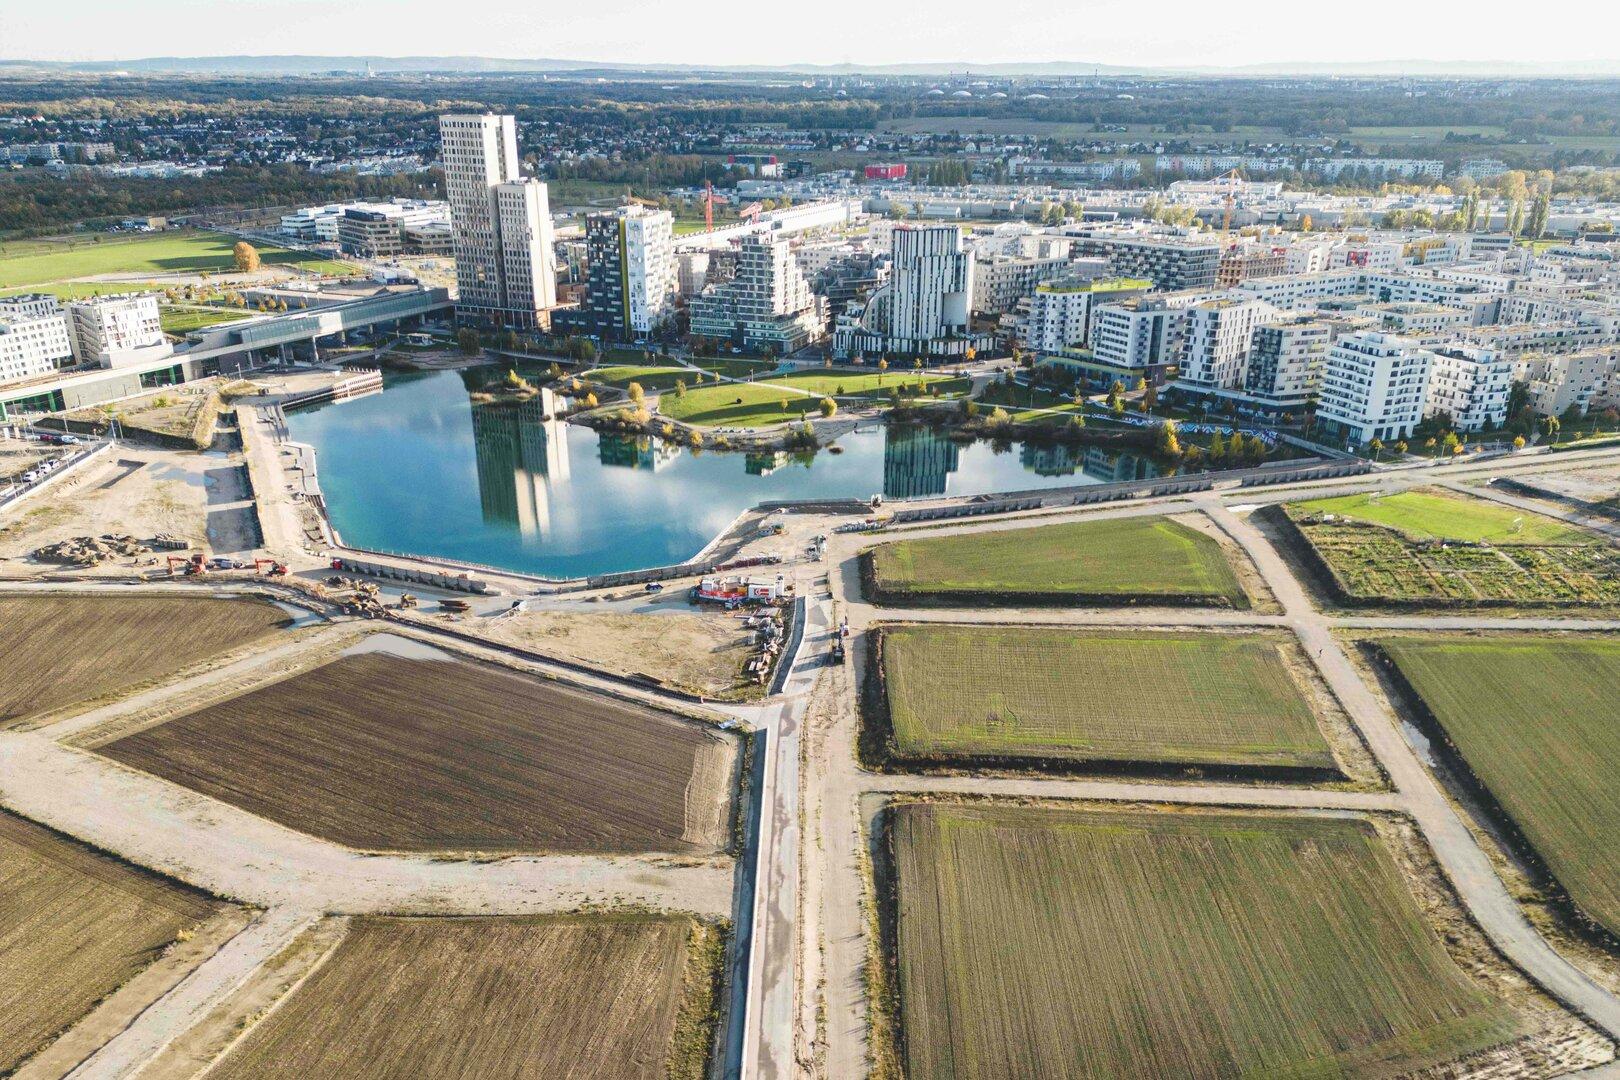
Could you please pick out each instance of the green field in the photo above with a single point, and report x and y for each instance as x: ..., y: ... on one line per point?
x: 1433, y: 515
x: 1117, y: 560
x: 77, y: 290
x: 868, y: 383
x: 1535, y: 719
x: 739, y: 405
x: 184, y: 320
x: 33, y: 262
x: 650, y: 378
x: 1034, y: 941
x: 1069, y: 696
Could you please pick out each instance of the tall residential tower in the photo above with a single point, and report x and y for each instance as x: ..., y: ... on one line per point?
x: 506, y: 270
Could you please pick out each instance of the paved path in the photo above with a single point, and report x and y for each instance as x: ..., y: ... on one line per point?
x: 1461, y: 857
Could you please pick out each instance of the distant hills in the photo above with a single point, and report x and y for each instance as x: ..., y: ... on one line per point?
x: 474, y: 65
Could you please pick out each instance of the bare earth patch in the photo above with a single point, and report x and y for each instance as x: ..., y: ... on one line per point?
x: 701, y: 654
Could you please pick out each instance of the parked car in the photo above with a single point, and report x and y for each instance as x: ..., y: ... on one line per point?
x: 653, y: 586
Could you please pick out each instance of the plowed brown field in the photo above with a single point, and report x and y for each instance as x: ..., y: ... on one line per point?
x: 383, y: 752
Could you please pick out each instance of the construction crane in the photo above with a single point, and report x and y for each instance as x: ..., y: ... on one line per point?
x: 708, y: 205
x: 1232, y: 180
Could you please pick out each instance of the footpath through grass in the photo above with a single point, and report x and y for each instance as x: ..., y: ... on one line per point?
x: 1536, y: 721
x: 1067, y: 942
x: 1117, y: 560
x: 865, y: 384
x: 1439, y: 516
x: 1075, y: 696
x: 33, y: 262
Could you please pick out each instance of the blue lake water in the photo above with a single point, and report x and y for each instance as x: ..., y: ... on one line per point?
x: 420, y: 468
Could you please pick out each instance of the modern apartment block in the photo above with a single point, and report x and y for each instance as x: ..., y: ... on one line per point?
x: 1000, y: 281
x: 1061, y: 312
x: 924, y: 309
x: 768, y: 304
x: 114, y: 331
x: 630, y: 276
x: 1471, y: 385
x: 1285, y: 363
x: 1374, y: 386
x: 383, y: 230
x: 506, y: 270
x: 1585, y: 380
x: 34, y: 338
x: 1172, y: 263
x: 1219, y: 338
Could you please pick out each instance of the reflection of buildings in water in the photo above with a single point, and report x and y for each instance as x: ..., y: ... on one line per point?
x: 764, y: 462
x: 1097, y: 462
x: 917, y: 461
x: 635, y: 451
x: 520, y: 451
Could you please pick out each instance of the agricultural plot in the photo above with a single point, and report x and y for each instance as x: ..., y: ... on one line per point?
x: 1076, y: 942
x: 1535, y: 723
x: 1435, y: 515
x: 1373, y: 564
x: 1112, y: 561
x: 1065, y: 698
x: 74, y: 926
x: 386, y: 752
x: 64, y: 649
x: 577, y: 996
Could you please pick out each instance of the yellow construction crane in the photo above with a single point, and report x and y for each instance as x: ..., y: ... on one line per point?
x: 1232, y: 180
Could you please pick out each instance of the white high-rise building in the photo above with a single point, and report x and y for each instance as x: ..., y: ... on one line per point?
x: 1471, y: 384
x: 506, y: 264
x: 1061, y: 313
x: 34, y: 338
x: 116, y: 330
x: 1374, y: 386
x: 924, y: 309
x: 630, y: 277
x: 767, y: 305
x: 1220, y: 335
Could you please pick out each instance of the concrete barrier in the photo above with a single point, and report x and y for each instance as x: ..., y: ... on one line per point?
x: 14, y: 495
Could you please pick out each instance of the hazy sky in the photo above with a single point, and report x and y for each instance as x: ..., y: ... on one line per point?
x: 1157, y: 32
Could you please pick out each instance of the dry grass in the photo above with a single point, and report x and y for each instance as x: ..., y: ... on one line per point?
x: 574, y: 996
x: 382, y: 752
x: 65, y: 649
x: 1067, y: 942
x: 701, y: 654
x: 1041, y: 694
x: 74, y: 926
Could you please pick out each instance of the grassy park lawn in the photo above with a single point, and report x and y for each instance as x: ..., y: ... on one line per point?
x: 739, y: 405
x: 1117, y: 560
x: 650, y: 378
x: 869, y: 383
x: 34, y: 261
x: 78, y: 290
x: 184, y: 320
x: 1064, y: 696
x: 1534, y: 718
x: 1435, y: 515
x: 1039, y: 941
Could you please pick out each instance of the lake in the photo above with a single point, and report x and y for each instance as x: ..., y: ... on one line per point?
x: 420, y: 468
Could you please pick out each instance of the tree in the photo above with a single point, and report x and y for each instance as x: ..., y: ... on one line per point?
x: 246, y: 256
x: 680, y: 389
x: 1150, y: 398
x: 1400, y: 447
x: 1551, y: 425
x: 828, y: 407
x: 1305, y: 223
x: 1217, y: 447
x: 468, y: 340
x: 637, y: 394
x: 883, y: 365
x: 969, y: 407
x: 1377, y: 448
x: 1518, y: 442
x: 590, y: 401
x: 1166, y: 443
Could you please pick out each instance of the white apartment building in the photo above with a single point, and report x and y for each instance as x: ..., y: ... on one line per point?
x: 1061, y: 312
x: 1584, y: 379
x: 1000, y: 281
x: 648, y: 244
x: 924, y: 309
x: 630, y: 276
x: 1285, y: 363
x: 692, y: 271
x: 503, y: 241
x: 1219, y: 336
x: 1416, y: 320
x: 1374, y: 386
x: 768, y: 304
x: 34, y: 338
x: 1471, y: 385
x: 114, y: 331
